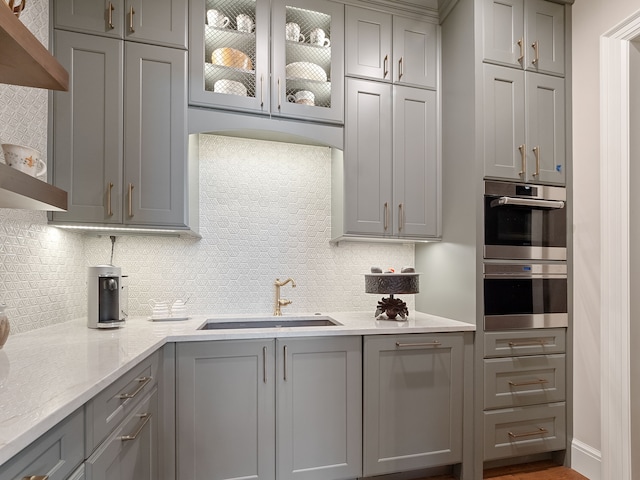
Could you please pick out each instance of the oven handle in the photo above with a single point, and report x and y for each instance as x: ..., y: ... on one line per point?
x: 528, y: 202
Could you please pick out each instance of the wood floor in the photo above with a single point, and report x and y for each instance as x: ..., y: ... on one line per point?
x: 531, y: 471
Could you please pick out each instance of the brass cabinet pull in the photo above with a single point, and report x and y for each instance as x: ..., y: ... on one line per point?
x: 531, y: 343
x: 36, y: 477
x: 536, y: 152
x: 540, y: 431
x: 521, y: 45
x: 109, y: 209
x: 539, y: 381
x: 400, y: 217
x: 386, y: 216
x: 143, y: 381
x: 435, y: 343
x: 261, y: 90
x: 145, y: 419
x: 537, y: 53
x: 400, y: 69
x: 264, y: 364
x: 131, y: 14
x: 110, y: 10
x: 286, y: 351
x: 523, y: 159
x: 131, y: 199
x: 279, y: 95
x: 385, y: 66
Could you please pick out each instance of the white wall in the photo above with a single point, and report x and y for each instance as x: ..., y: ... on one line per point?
x: 591, y: 18
x: 265, y: 213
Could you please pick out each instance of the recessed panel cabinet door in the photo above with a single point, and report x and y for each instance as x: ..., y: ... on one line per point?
x: 546, y: 128
x: 225, y: 410
x: 416, y: 180
x: 161, y: 22
x: 368, y: 158
x: 368, y: 43
x: 545, y: 37
x: 101, y: 17
x: 412, y: 402
x: 319, y: 408
x: 88, y: 128
x: 503, y: 32
x: 415, y: 52
x: 155, y: 149
x: 504, y: 127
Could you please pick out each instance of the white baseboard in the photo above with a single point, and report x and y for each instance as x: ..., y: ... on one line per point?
x: 586, y: 460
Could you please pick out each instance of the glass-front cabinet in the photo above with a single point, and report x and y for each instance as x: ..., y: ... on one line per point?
x: 279, y: 57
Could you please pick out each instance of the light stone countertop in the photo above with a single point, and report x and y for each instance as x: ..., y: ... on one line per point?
x: 48, y: 373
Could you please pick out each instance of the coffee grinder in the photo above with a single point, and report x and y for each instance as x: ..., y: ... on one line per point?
x: 103, y: 306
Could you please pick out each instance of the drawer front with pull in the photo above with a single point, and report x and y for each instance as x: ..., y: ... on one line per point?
x: 107, y: 409
x: 520, y: 381
x: 130, y: 450
x: 54, y: 456
x: 521, y: 431
x: 539, y: 341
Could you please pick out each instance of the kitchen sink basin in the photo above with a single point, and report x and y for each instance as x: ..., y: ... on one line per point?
x: 268, y: 322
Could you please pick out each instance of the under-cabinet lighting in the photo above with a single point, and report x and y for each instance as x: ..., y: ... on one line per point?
x: 124, y: 230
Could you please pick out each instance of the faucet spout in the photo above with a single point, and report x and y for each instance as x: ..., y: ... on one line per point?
x: 280, y: 302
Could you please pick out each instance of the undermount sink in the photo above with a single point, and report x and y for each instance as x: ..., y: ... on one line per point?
x: 268, y: 322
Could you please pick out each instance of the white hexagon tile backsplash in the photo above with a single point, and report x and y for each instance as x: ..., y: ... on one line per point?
x: 265, y: 213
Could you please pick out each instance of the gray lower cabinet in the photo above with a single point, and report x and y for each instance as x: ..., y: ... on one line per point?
x: 55, y: 455
x: 392, y: 171
x: 524, y: 126
x: 525, y: 34
x: 413, y: 402
x: 119, y: 133
x: 387, y: 47
x: 267, y: 409
x: 161, y: 22
x: 131, y: 451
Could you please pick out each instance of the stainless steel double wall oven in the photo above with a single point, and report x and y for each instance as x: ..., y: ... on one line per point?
x: 525, y: 253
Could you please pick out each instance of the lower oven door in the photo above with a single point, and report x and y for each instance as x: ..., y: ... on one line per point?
x: 525, y: 296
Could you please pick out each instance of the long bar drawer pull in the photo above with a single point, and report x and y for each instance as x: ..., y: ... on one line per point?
x: 145, y: 419
x: 435, y: 343
x: 539, y: 381
x: 540, y: 431
x: 532, y: 343
x: 36, y: 477
x: 143, y: 381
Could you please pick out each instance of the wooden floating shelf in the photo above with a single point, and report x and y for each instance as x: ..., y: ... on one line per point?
x: 19, y: 190
x: 23, y: 59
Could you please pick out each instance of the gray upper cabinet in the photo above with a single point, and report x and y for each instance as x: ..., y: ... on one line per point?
x: 413, y: 388
x: 243, y: 58
x: 119, y: 134
x: 513, y: 99
x: 525, y: 34
x: 388, y: 47
x: 306, y: 399
x: 391, y: 162
x: 161, y: 22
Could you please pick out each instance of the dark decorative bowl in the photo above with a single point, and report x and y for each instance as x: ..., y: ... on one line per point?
x: 392, y: 283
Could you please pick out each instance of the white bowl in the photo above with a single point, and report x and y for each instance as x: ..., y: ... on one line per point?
x: 230, y: 87
x: 307, y: 71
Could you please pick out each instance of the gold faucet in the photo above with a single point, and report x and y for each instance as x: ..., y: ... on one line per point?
x: 281, y: 302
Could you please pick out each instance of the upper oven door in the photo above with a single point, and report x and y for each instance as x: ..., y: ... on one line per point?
x: 524, y: 222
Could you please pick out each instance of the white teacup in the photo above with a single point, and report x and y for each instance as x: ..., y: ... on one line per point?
x: 303, y: 97
x: 292, y: 32
x: 244, y: 23
x: 217, y: 19
x: 317, y: 37
x: 25, y: 159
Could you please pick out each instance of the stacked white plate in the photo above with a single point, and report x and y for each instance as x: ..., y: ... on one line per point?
x: 230, y: 87
x: 307, y: 71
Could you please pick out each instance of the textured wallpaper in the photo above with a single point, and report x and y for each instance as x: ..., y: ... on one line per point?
x: 264, y: 213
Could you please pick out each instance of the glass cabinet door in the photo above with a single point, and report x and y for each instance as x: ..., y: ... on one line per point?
x: 308, y: 59
x: 228, y: 54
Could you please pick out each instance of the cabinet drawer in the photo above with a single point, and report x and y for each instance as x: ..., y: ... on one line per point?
x: 538, y: 341
x: 524, y: 430
x: 520, y: 381
x: 107, y: 409
x: 56, y: 454
x: 130, y: 452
